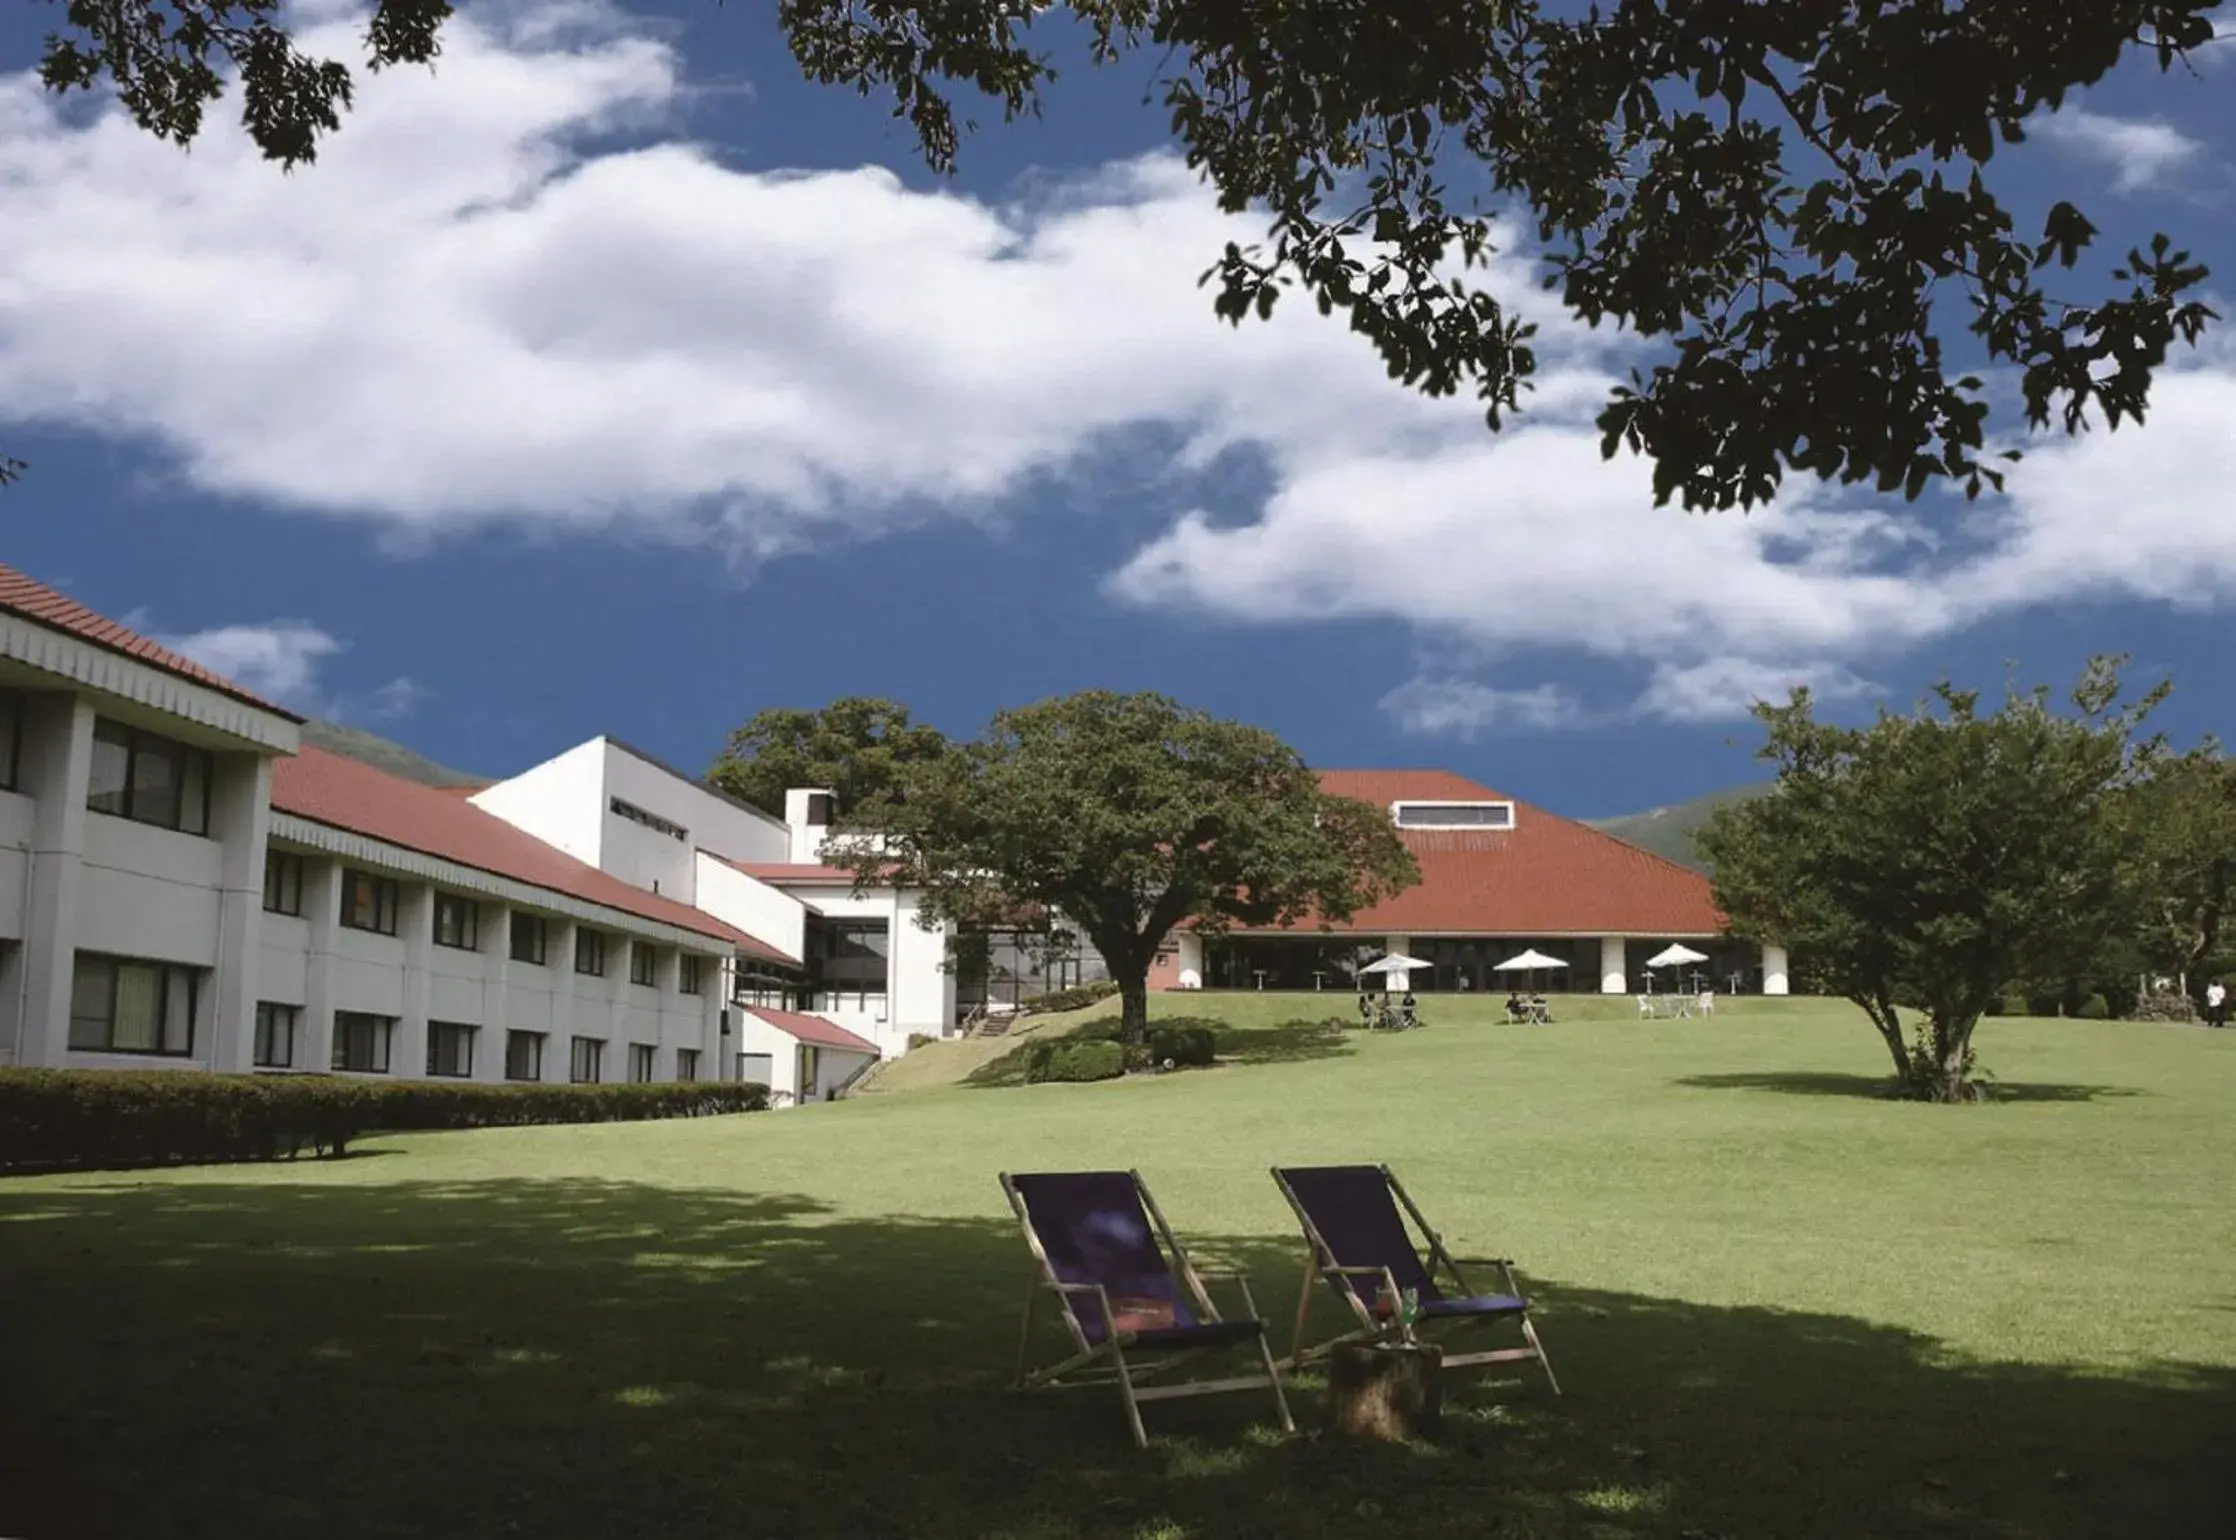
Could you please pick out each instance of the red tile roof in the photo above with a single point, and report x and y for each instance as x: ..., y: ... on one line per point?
x: 1546, y: 876
x: 330, y: 789
x: 813, y: 1029
x: 34, y: 601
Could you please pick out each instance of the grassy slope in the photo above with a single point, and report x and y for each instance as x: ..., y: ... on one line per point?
x: 1779, y: 1305
x: 384, y: 754
x: 1668, y: 831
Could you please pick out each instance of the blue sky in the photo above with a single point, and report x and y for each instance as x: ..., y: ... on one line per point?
x: 601, y: 384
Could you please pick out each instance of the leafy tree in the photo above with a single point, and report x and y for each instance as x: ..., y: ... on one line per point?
x: 1125, y: 814
x: 858, y: 747
x: 1928, y: 861
x: 1779, y: 192
x: 2181, y: 824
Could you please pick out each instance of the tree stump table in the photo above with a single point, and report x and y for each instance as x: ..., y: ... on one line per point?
x: 1386, y: 1390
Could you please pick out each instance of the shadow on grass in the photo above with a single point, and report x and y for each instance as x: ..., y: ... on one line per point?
x: 570, y: 1357
x: 1289, y: 1042
x: 1883, y: 1088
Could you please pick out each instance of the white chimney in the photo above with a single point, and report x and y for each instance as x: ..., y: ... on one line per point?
x: 807, y: 815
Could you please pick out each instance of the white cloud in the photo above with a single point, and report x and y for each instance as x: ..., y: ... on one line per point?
x: 1466, y: 708
x: 481, y: 307
x: 2140, y: 151
x: 1725, y: 689
x: 285, y: 661
x: 279, y: 659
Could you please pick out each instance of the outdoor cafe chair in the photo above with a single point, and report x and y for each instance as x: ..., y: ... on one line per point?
x: 1136, y: 1310
x: 1358, y: 1245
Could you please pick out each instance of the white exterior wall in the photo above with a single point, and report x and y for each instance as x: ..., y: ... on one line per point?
x: 561, y: 801
x: 830, y: 1069
x: 1774, y: 981
x: 751, y: 905
x: 73, y: 880
x: 408, y: 977
x: 919, y: 990
x: 715, y: 823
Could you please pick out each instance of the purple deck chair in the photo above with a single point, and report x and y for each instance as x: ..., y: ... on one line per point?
x: 1359, y: 1244
x: 1136, y: 1310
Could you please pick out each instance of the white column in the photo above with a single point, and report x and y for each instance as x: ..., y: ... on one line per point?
x: 1191, y: 955
x: 559, y: 955
x: 714, y: 987
x: 57, y: 764
x: 1774, y: 970
x: 415, y: 923
x: 1396, y: 983
x: 240, y: 818
x: 1614, y: 977
x: 322, y: 912
x: 496, y: 974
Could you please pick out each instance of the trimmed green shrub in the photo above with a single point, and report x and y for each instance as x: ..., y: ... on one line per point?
x: 917, y: 1040
x: 2014, y: 1005
x: 1188, y: 1047
x: 1074, y: 999
x: 1076, y: 1060
x: 62, y: 1119
x: 2093, y: 1008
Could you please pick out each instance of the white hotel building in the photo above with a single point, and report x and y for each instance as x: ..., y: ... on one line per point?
x: 184, y: 883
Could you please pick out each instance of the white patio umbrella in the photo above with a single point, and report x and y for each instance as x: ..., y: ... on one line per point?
x: 1675, y: 955
x: 1528, y: 962
x: 1396, y: 962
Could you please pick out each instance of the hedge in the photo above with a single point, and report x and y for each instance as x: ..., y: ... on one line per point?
x: 1074, y: 1061
x: 2094, y: 1008
x: 1074, y: 999
x: 59, y: 1119
x: 1183, y: 1047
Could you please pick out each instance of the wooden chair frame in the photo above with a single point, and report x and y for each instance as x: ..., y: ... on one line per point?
x: 1102, y: 1363
x: 1321, y: 1268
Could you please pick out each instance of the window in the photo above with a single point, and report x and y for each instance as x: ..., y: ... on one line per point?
x: 368, y: 902
x: 457, y: 922
x: 687, y: 978
x: 687, y: 1064
x: 847, y: 961
x: 11, y: 738
x: 275, y: 1034
x: 450, y: 1048
x: 642, y: 962
x: 1453, y: 815
x: 527, y: 938
x: 283, y: 882
x: 590, y: 951
x: 641, y: 1059
x: 653, y: 821
x: 361, y: 1042
x: 149, y: 778
x: 589, y: 1053
x: 523, y: 1055
x: 121, y: 1006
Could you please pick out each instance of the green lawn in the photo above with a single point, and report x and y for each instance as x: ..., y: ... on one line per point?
x: 1779, y: 1304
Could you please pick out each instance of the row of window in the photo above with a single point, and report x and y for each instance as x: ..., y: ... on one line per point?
x: 650, y: 820
x: 371, y: 902
x: 119, y: 1005
x: 362, y: 1043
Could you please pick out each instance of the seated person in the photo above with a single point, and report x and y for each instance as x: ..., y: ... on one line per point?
x: 1406, y: 1009
x: 1516, y: 1007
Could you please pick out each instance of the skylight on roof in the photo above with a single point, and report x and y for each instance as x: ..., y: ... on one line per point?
x: 1452, y: 815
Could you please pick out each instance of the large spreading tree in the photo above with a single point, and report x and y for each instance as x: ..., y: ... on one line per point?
x: 1126, y: 815
x: 1931, y: 861
x: 1794, y: 198
x: 857, y: 747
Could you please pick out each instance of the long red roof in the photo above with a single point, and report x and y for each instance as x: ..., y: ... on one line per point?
x: 33, y: 600
x: 812, y: 1029
x: 1546, y: 876
x: 331, y: 789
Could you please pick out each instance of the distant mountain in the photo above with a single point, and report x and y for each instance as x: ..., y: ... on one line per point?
x: 383, y: 754
x: 1668, y: 831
